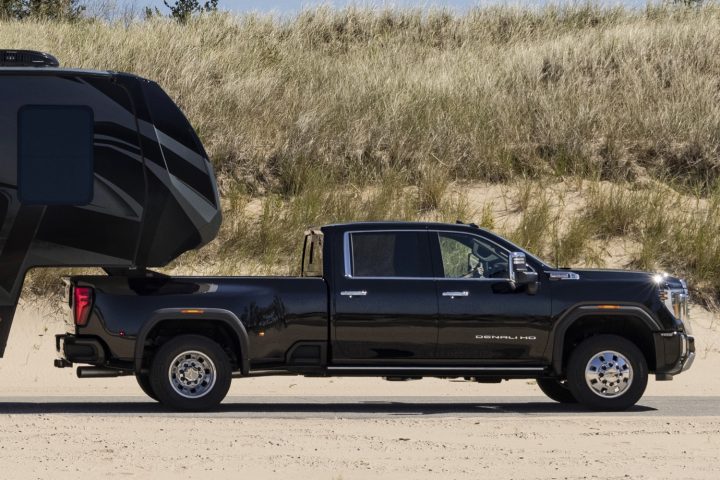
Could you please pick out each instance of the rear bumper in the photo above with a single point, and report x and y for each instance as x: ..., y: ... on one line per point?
x: 74, y: 349
x: 675, y: 353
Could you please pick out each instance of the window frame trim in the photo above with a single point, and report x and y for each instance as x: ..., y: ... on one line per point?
x: 347, y: 254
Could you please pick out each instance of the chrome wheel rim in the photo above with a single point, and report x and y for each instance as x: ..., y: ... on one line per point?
x: 192, y: 374
x: 609, y: 374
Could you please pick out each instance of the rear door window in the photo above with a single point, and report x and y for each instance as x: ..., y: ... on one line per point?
x: 55, y: 155
x: 390, y: 254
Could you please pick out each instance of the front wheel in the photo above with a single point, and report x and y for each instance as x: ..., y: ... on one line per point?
x: 557, y: 390
x: 191, y: 372
x: 607, y: 372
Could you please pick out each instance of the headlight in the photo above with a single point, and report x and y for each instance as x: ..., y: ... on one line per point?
x: 677, y: 301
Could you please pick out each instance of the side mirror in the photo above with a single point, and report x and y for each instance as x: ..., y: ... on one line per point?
x: 520, y: 274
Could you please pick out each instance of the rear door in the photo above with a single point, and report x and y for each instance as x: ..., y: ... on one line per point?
x: 385, y: 303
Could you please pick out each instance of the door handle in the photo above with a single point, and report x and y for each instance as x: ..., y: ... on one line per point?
x: 463, y: 293
x: 353, y: 293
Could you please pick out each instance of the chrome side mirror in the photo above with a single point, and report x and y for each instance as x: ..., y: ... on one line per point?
x: 520, y: 274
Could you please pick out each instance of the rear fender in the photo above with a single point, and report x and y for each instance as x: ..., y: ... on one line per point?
x: 211, y: 314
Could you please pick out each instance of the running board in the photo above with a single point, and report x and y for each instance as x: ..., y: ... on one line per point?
x: 401, y: 371
x: 436, y: 369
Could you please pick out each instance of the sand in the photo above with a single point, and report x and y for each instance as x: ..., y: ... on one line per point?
x: 63, y: 445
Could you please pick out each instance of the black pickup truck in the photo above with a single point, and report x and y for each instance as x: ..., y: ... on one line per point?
x: 393, y: 300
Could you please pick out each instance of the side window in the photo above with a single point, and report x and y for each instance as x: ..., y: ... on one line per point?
x: 390, y: 254
x: 55, y: 155
x: 468, y: 256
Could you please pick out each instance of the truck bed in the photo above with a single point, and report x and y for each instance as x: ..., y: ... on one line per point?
x: 276, y: 312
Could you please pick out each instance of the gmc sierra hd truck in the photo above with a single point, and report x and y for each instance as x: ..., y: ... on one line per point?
x: 393, y: 300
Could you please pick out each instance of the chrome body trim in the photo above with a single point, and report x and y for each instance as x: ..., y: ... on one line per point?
x: 688, y: 352
x: 347, y: 255
x: 454, y: 294
x: 687, y: 363
x: 353, y: 293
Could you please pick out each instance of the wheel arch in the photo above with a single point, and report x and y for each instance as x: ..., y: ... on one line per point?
x: 633, y: 322
x: 210, y: 315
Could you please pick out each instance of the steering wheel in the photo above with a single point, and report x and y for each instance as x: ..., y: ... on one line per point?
x: 475, y: 272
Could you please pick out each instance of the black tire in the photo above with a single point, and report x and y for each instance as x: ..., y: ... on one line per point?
x: 165, y: 383
x: 631, y: 359
x: 144, y: 381
x: 556, y: 390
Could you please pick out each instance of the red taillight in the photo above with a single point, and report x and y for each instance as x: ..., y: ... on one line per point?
x: 82, y: 304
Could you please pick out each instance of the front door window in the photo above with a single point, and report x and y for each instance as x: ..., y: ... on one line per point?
x: 467, y: 256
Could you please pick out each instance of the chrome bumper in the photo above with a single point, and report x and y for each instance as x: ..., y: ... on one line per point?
x: 689, y: 352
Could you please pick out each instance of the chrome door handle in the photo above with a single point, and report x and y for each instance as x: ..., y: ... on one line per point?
x: 353, y: 293
x: 463, y: 293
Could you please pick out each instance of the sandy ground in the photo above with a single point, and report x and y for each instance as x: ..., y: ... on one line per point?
x: 61, y: 445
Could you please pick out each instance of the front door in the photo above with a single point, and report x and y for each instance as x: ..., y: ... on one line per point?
x: 481, y: 317
x: 385, y: 303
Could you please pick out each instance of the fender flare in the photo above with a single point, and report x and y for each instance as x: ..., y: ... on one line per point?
x: 211, y: 314
x: 577, y: 312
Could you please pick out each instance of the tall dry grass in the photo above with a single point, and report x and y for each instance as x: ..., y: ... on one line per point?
x: 354, y: 114
x: 486, y: 95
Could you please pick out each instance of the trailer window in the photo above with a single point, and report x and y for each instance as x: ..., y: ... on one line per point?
x: 55, y: 155
x: 390, y: 254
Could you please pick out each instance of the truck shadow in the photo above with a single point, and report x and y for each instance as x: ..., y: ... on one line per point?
x: 359, y: 409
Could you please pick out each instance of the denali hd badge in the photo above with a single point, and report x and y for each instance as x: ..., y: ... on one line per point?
x: 506, y: 337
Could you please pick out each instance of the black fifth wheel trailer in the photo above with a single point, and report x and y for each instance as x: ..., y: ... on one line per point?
x: 97, y: 168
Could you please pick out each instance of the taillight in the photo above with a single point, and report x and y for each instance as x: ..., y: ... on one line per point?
x: 82, y: 304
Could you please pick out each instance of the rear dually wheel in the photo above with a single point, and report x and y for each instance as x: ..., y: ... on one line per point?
x: 557, y: 390
x: 143, y: 380
x: 190, y: 372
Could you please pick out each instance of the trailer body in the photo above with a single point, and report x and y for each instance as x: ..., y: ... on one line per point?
x: 97, y: 168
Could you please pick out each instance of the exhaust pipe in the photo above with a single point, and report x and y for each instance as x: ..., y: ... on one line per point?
x: 99, y: 372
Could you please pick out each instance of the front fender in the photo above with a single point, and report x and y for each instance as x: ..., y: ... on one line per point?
x: 556, y: 346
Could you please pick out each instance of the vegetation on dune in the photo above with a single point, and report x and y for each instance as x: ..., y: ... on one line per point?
x: 487, y: 95
x: 357, y: 114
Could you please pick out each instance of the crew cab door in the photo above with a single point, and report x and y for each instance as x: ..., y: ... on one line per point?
x: 385, y: 300
x: 481, y: 317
